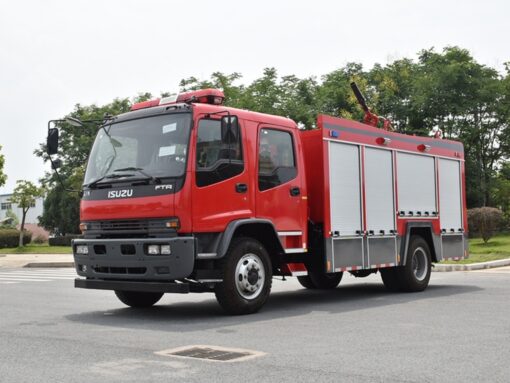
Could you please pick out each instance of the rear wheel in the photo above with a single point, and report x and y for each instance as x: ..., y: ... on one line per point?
x: 415, y: 275
x: 390, y: 278
x: 247, y: 277
x: 138, y: 298
x: 320, y: 280
x: 306, y: 282
x: 325, y: 281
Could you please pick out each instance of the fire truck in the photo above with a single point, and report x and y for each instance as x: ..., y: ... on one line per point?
x: 182, y: 194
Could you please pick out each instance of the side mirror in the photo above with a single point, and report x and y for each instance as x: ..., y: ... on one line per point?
x: 229, y: 129
x: 52, y: 141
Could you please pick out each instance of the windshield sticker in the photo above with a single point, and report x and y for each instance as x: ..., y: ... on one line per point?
x: 166, y: 151
x: 169, y: 128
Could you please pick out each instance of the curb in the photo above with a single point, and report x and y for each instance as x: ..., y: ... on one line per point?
x: 473, y: 266
x: 50, y: 264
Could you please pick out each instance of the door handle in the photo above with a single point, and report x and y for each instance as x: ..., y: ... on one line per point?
x: 241, y: 188
x: 295, y: 191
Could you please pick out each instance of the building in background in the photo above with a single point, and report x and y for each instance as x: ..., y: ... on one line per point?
x: 31, y: 221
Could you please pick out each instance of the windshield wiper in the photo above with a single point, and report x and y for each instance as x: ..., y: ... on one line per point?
x: 141, y: 171
x: 94, y: 183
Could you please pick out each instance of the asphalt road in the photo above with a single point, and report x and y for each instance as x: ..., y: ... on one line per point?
x: 458, y: 330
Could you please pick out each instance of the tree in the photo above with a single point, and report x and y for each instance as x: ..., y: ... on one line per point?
x: 24, y: 195
x: 485, y: 221
x: 3, y: 177
x: 468, y: 101
x: 501, y: 191
x: 10, y: 221
x: 61, y: 208
x: 449, y: 90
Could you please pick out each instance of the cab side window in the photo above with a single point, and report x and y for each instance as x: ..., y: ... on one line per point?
x: 218, y: 158
x: 277, y: 163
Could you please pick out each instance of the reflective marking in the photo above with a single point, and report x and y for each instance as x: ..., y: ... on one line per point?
x: 295, y: 250
x: 206, y: 255
x: 289, y: 233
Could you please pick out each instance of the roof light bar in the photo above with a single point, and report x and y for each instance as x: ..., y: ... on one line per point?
x: 202, y: 96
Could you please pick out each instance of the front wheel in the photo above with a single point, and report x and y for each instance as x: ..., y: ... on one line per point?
x: 138, y: 298
x: 247, y: 277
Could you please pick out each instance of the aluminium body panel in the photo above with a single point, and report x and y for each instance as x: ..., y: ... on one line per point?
x: 345, y: 189
x: 453, y: 246
x: 345, y: 252
x: 450, y: 205
x: 379, y: 193
x: 416, y: 184
x: 382, y: 250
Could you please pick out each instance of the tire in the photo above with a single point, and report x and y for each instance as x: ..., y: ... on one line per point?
x: 138, y: 298
x: 415, y: 275
x: 247, y: 277
x: 390, y: 278
x: 306, y: 282
x: 325, y: 281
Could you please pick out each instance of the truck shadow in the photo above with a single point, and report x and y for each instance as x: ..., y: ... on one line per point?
x: 206, y: 314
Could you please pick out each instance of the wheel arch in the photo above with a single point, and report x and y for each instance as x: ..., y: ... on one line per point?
x: 262, y: 230
x: 424, y: 230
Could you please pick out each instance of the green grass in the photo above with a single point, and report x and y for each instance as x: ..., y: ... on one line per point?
x: 37, y: 249
x: 498, y: 247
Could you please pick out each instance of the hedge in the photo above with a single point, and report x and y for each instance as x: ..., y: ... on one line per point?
x: 64, y: 240
x: 10, y: 238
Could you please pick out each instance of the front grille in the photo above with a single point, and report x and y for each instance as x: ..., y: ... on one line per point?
x: 142, y: 228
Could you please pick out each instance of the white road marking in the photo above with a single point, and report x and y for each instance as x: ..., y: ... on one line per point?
x: 36, y: 275
x: 24, y: 279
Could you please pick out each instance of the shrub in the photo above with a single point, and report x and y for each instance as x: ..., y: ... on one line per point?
x: 64, y: 240
x: 40, y: 239
x: 485, y: 221
x: 10, y: 238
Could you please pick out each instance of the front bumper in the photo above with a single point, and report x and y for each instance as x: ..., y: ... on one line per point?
x: 127, y: 259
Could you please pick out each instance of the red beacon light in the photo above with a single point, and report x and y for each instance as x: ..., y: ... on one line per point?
x: 202, y: 96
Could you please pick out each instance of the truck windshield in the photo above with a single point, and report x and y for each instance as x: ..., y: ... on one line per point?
x: 153, y: 146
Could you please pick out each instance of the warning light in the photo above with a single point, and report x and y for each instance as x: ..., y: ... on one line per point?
x: 203, y: 96
x: 383, y: 141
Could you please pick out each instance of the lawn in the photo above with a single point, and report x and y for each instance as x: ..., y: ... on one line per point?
x: 37, y: 249
x: 498, y: 247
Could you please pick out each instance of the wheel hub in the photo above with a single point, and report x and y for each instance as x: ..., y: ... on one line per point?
x: 250, y: 276
x: 419, y: 264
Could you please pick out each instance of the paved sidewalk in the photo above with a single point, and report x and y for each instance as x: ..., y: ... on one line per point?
x: 36, y: 260
x: 471, y: 266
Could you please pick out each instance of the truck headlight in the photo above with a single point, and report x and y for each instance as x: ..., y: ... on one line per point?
x: 159, y: 250
x: 153, y: 249
x: 82, y: 249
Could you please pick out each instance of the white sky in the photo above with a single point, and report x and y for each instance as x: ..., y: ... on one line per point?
x: 56, y: 53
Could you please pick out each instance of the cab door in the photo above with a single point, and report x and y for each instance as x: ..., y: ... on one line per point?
x: 220, y: 180
x: 280, y: 190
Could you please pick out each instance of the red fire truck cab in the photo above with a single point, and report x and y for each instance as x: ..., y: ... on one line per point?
x: 187, y: 195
